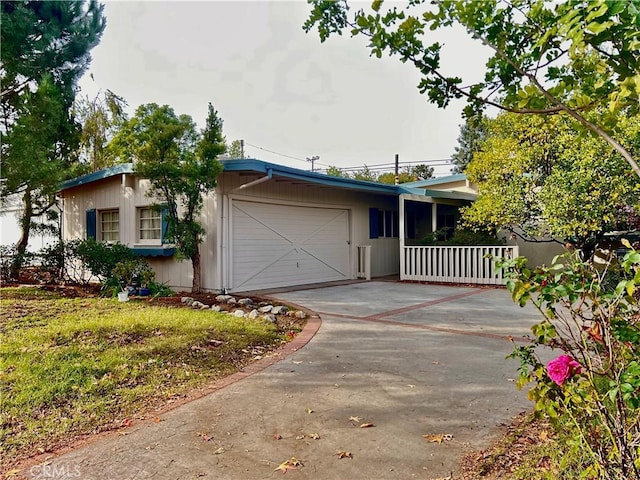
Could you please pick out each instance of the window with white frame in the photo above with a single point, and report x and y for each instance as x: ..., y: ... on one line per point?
x: 149, y: 225
x: 109, y: 225
x: 383, y: 223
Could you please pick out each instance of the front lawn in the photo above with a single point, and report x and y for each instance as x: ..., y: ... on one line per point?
x: 75, y: 366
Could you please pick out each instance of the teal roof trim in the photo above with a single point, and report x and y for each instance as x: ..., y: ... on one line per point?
x: 259, y: 166
x: 95, y: 176
x: 319, y: 178
x: 436, y: 181
x: 153, y: 251
x: 422, y: 192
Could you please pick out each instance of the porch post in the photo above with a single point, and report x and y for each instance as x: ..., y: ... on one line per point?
x: 434, y: 216
x: 402, y: 233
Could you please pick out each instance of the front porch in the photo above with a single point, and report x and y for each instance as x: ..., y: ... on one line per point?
x: 422, y: 216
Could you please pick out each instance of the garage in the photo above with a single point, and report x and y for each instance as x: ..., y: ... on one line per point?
x: 276, y: 245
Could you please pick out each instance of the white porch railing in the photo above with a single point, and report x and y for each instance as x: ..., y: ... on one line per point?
x: 364, y: 262
x: 454, y: 264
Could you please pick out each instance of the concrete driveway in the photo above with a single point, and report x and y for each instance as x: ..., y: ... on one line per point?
x: 411, y: 359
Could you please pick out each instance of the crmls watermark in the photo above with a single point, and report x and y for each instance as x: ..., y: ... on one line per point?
x: 55, y: 471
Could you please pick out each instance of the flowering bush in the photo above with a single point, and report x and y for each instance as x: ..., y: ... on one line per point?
x: 590, y: 313
x: 562, y: 368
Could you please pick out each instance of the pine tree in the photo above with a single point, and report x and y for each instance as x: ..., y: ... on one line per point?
x: 45, y: 50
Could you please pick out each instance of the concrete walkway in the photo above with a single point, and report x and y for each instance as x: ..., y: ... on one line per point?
x: 412, y: 359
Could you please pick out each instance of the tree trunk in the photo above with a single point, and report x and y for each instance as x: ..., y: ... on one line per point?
x: 195, y: 263
x: 25, y: 226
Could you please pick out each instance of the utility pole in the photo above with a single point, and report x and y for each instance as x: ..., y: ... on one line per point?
x: 241, y: 148
x: 312, y: 160
x: 397, y: 177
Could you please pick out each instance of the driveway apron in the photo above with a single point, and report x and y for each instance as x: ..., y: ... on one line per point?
x: 411, y: 359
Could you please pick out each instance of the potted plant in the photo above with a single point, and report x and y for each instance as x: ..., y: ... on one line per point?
x: 146, y: 276
x: 125, y: 272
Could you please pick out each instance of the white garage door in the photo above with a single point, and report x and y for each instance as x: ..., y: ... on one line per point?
x: 281, y: 245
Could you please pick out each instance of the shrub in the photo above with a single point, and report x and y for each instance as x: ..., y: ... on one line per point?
x: 101, y: 258
x: 460, y: 237
x: 52, y: 261
x: 7, y: 253
x: 594, y: 384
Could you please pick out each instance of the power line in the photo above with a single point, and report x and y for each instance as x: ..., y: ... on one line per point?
x: 437, y: 162
x: 283, y: 154
x: 442, y: 162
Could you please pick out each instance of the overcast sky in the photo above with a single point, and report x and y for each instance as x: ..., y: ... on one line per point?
x: 275, y: 86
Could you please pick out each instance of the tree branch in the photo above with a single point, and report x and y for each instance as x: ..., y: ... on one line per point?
x: 15, y: 89
x: 560, y: 106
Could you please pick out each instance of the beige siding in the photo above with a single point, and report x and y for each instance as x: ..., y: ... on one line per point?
x: 537, y: 253
x: 126, y: 193
x: 384, y: 251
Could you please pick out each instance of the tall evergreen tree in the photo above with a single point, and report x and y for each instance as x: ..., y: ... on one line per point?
x: 45, y: 50
x: 472, y: 134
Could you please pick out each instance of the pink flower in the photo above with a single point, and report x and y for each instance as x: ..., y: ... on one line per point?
x: 562, y: 368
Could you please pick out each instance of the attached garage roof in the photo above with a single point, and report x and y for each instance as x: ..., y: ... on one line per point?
x: 259, y: 166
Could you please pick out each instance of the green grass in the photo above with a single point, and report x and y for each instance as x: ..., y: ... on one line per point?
x: 75, y: 366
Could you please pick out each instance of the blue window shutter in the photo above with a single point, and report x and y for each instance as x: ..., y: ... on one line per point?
x: 374, y: 223
x: 91, y: 223
x: 164, y: 219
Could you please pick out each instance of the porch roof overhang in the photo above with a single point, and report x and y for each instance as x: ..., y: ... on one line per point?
x: 431, y: 196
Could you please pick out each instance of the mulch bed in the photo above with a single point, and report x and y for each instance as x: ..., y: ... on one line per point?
x: 502, y: 458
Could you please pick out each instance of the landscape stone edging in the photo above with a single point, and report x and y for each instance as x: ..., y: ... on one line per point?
x: 268, y: 310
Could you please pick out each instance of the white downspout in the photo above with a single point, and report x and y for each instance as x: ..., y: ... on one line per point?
x: 268, y: 176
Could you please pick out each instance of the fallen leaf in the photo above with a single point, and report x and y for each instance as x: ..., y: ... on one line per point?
x: 435, y: 363
x: 309, y: 410
x: 315, y: 436
x: 204, y: 436
x: 12, y: 473
x: 544, y: 436
x: 411, y: 386
x: 277, y: 436
x: 300, y: 437
x: 127, y: 422
x: 438, y: 437
x: 297, y: 362
x: 355, y: 419
x: 157, y: 420
x: 367, y: 425
x: 219, y: 451
x: 343, y: 454
x: 292, y: 464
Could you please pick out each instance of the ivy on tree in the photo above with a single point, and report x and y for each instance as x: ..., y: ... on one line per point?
x: 180, y: 163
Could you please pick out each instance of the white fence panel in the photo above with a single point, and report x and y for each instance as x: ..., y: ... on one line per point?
x: 455, y: 264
